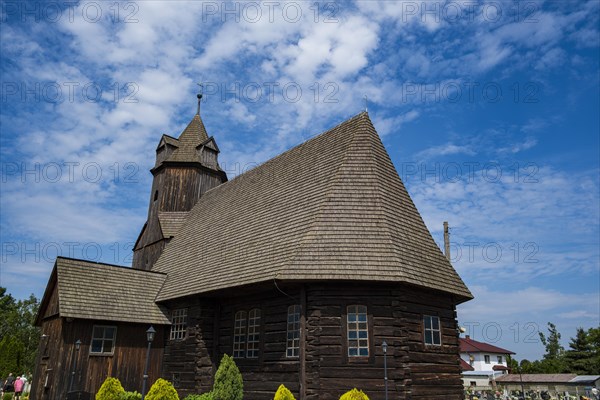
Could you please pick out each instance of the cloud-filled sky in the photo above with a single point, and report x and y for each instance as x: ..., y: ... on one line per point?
x: 488, y: 109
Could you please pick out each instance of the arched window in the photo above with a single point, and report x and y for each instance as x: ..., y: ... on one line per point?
x: 239, y: 335
x: 358, y: 331
x: 253, y: 333
x: 293, y: 331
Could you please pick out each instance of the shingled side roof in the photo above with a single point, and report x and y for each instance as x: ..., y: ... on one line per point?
x: 89, y: 290
x: 332, y: 208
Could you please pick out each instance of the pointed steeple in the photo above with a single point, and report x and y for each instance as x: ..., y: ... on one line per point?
x: 193, y: 136
x: 185, y: 169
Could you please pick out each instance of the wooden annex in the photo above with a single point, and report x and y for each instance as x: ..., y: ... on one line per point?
x: 300, y: 269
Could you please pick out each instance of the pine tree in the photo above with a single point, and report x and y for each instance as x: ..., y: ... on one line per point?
x: 553, y: 361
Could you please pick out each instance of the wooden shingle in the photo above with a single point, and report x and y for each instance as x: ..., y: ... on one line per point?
x: 89, y: 290
x: 332, y: 208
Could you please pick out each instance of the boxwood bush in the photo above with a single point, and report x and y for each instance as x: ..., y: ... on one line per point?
x: 283, y: 393
x: 111, y: 389
x: 162, y: 390
x: 354, y: 394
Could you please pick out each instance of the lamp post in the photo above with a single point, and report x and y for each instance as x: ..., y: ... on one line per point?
x: 385, y: 377
x: 76, y: 356
x: 150, y: 336
x: 522, y: 387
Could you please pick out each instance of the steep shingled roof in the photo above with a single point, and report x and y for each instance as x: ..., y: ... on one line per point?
x: 332, y: 208
x: 90, y: 290
x: 191, y: 137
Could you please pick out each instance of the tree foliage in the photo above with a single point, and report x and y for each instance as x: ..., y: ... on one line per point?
x: 581, y: 358
x: 19, y: 338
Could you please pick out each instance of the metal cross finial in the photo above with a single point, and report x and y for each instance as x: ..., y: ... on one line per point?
x: 366, y: 100
x: 199, y: 96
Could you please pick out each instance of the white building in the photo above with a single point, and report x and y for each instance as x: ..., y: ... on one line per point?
x: 482, y: 363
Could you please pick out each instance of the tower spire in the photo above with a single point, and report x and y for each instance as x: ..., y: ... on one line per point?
x: 199, y: 96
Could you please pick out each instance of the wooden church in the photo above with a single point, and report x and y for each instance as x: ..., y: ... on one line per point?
x: 300, y: 269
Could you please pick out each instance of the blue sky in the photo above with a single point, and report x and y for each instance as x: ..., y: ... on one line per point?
x: 489, y: 110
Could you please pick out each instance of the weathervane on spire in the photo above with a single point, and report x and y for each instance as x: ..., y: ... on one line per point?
x: 199, y: 96
x: 366, y: 100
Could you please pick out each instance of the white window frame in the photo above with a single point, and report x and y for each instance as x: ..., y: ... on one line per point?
x: 253, y: 341
x: 499, y: 359
x: 178, y: 324
x: 357, y: 323
x: 293, y: 331
x: 429, y: 327
x: 239, y: 335
x: 103, y: 340
x: 486, y: 359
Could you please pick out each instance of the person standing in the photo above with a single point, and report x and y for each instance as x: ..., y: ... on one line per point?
x: 18, y: 387
x: 9, y: 385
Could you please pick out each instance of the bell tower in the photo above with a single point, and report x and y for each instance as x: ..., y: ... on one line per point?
x: 185, y: 169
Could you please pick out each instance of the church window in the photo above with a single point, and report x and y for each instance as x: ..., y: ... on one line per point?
x: 103, y: 340
x: 358, y: 331
x: 178, y: 324
x: 293, y: 331
x: 432, y: 330
x: 253, y: 333
x: 239, y: 335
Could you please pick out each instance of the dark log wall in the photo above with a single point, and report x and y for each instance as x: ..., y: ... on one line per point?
x: 57, y: 354
x: 192, y: 358
x: 395, y: 314
x: 263, y: 376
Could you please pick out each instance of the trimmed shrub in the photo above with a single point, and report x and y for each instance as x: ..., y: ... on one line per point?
x: 162, y: 390
x: 111, y: 389
x: 354, y: 394
x: 7, y: 396
x: 283, y: 393
x: 131, y: 396
x: 228, y: 381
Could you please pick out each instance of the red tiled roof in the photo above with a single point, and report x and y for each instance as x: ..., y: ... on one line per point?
x: 465, y: 366
x: 499, y: 368
x: 468, y: 345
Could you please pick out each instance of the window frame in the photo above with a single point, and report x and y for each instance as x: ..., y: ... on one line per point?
x: 432, y: 330
x: 103, y: 339
x: 354, y: 327
x: 239, y: 332
x: 499, y: 359
x: 253, y: 334
x: 179, y: 328
x: 487, y: 359
x: 293, y: 343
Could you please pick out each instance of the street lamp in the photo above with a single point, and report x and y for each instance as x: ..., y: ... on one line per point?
x: 75, y: 357
x: 150, y: 336
x: 385, y: 377
x: 521, y: 379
